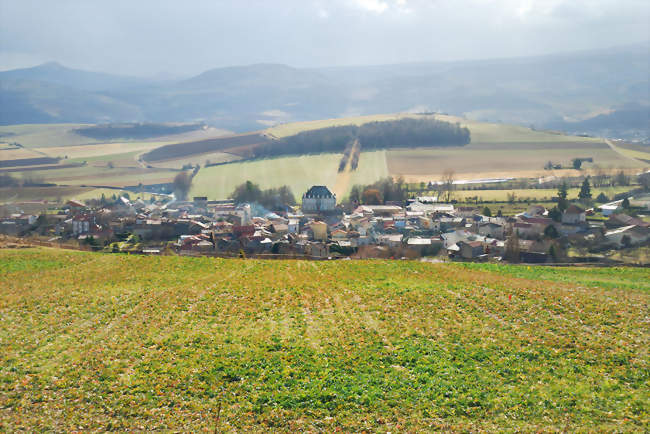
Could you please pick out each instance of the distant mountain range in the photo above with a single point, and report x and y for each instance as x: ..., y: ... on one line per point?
x: 579, y: 89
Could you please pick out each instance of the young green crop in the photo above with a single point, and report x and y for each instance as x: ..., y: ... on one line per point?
x: 99, y: 342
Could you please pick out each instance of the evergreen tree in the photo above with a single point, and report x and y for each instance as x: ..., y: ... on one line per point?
x: 551, y: 232
x: 577, y: 163
x: 585, y: 190
x: 555, y: 214
x: 487, y: 212
x: 562, y: 194
x: 553, y: 252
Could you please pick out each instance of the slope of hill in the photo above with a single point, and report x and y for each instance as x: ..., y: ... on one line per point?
x: 631, y: 121
x: 114, y: 342
x: 495, y: 151
x: 27, y: 101
x: 534, y: 90
x: 55, y: 73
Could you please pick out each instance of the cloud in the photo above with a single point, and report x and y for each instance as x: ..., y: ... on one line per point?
x: 380, y: 6
x: 152, y: 36
x: 377, y: 6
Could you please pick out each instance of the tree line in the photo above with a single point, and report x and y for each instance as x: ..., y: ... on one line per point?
x: 274, y: 199
x: 380, y: 192
x: 135, y: 130
x: 401, y: 133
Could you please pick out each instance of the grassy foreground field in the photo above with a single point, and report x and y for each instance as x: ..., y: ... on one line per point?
x: 115, y: 342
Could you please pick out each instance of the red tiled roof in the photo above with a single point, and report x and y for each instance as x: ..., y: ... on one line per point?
x: 574, y: 209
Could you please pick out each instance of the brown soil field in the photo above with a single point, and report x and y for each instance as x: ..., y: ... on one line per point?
x: 40, y: 167
x: 239, y: 145
x: 28, y: 162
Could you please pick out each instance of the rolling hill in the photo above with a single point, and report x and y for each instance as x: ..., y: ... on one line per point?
x: 536, y: 90
x: 55, y: 73
x: 495, y: 151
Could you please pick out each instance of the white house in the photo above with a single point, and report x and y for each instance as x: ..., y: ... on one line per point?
x: 574, y: 215
x: 294, y: 226
x: 610, y: 208
x: 318, y: 198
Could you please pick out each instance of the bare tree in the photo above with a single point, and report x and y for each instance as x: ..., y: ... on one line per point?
x: 512, y: 247
x: 447, y: 187
x: 599, y: 176
x: 182, y: 184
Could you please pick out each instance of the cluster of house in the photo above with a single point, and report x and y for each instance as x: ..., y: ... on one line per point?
x: 320, y: 229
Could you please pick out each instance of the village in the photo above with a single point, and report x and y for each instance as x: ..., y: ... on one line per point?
x: 320, y: 228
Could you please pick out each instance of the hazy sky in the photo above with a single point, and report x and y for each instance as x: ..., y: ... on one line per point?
x: 151, y: 37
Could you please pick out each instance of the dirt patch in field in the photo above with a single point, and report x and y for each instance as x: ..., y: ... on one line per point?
x: 241, y: 145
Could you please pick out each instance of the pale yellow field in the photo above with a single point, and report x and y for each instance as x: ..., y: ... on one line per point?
x: 47, y: 135
x: 99, y: 149
x: 17, y: 153
x: 42, y: 135
x: 483, y: 132
x: 293, y: 128
x: 502, y: 160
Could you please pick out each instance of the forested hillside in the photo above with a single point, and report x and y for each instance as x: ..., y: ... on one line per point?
x: 401, y: 133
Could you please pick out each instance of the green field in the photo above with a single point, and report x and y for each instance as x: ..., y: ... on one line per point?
x: 299, y: 173
x: 94, y: 342
x: 200, y: 159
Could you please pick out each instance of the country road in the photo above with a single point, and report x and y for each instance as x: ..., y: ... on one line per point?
x: 616, y: 149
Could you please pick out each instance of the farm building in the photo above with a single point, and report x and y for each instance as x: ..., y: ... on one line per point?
x: 610, y: 208
x: 574, y: 215
x: 318, y: 198
x: 631, y: 235
x: 471, y: 249
x: 492, y: 230
x: 379, y: 210
x: 320, y: 230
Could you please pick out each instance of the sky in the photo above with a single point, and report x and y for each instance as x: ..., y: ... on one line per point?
x: 167, y: 38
